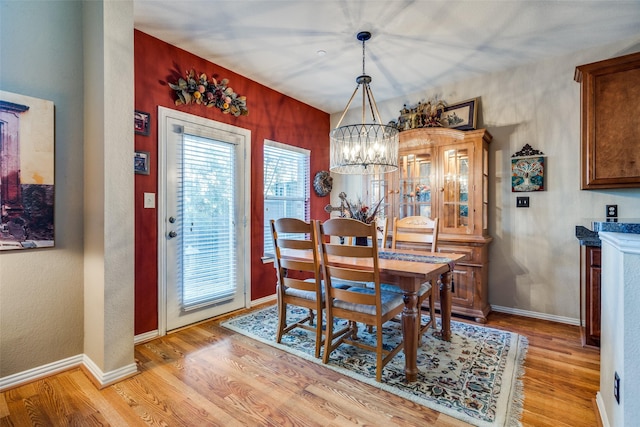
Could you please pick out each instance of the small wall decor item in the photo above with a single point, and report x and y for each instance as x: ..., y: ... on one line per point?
x: 322, y: 183
x: 26, y: 172
x: 141, y: 162
x: 527, y: 170
x: 199, y: 89
x: 141, y: 122
x: 462, y: 116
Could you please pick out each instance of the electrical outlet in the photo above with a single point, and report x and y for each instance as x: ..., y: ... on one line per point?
x: 612, y: 211
x: 522, y: 202
x: 616, y: 387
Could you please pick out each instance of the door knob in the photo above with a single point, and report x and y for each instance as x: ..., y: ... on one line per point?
x: 172, y: 234
x: 172, y: 219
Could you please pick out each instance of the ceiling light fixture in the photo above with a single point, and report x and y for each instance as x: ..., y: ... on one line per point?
x: 365, y: 148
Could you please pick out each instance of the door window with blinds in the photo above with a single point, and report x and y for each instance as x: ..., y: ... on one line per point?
x: 286, y: 186
x: 206, y: 198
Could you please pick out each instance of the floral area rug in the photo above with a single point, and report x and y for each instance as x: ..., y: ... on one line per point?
x: 474, y: 378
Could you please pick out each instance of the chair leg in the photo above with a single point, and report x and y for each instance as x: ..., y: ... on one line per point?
x: 432, y: 310
x: 318, y: 334
x: 379, y: 355
x: 282, y: 317
x: 328, y: 338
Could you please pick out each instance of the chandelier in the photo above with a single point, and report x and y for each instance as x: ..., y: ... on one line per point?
x: 366, y: 148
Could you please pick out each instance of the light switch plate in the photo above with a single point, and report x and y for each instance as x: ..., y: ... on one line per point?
x: 149, y: 200
x: 522, y: 202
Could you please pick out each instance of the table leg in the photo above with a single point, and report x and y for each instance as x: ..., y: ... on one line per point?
x: 410, y: 332
x: 444, y: 283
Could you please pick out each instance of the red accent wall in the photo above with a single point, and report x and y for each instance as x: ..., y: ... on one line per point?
x: 272, y: 115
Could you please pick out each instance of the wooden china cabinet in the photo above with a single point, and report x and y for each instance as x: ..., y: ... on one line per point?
x: 444, y: 173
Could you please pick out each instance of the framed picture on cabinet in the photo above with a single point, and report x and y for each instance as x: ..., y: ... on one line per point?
x: 462, y: 116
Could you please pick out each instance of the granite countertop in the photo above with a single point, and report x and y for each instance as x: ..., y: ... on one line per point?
x: 590, y: 238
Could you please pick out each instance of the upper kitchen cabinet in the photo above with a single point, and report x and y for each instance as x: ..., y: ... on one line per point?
x: 610, y: 122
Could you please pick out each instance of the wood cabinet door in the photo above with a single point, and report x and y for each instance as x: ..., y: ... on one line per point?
x: 610, y: 122
x: 464, y: 286
x: 415, y: 184
x: 455, y: 182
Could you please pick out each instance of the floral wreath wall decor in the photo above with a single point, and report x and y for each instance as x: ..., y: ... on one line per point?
x: 200, y: 89
x: 527, y: 170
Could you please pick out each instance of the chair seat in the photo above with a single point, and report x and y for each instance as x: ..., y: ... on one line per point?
x: 389, y: 300
x: 299, y: 293
x: 424, y: 288
x: 311, y: 295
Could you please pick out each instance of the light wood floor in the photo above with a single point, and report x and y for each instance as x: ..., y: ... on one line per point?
x: 207, y: 375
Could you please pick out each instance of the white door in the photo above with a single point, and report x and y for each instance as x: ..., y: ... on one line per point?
x: 203, y: 203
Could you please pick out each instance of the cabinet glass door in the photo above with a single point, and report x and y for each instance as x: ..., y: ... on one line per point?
x: 379, y: 186
x: 415, y: 185
x: 455, y: 214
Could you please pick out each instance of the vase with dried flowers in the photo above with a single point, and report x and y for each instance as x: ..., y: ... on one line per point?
x: 361, y: 212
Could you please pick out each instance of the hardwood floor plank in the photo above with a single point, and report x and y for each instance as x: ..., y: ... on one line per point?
x: 84, y: 393
x: 208, y: 375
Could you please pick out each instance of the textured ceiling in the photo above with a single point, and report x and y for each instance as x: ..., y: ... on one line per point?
x: 415, y: 44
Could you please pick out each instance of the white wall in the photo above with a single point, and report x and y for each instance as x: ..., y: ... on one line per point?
x: 534, y: 258
x: 41, y: 291
x: 620, y: 342
x: 109, y: 182
x: 74, y: 303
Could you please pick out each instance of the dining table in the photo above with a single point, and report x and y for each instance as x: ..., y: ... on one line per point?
x: 409, y: 270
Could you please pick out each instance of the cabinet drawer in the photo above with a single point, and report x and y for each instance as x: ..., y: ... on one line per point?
x: 467, y: 251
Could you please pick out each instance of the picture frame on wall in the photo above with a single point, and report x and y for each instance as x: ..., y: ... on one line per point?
x: 527, y: 170
x: 27, y: 172
x: 461, y: 116
x: 141, y: 162
x: 141, y: 122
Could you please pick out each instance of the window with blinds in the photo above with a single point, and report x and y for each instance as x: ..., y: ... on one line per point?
x: 286, y: 186
x: 207, y: 249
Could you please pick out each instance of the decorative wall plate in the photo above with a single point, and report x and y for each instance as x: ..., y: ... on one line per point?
x: 322, y: 183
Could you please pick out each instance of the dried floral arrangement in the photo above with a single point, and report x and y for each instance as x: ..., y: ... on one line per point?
x: 200, y: 89
x: 358, y: 210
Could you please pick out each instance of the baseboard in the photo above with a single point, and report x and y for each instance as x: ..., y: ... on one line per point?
x: 39, y: 372
x: 97, y: 377
x: 104, y: 379
x: 602, y: 410
x: 146, y: 336
x: 268, y: 298
x: 536, y: 315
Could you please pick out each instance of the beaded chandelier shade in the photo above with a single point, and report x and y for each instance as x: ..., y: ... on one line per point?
x: 365, y: 148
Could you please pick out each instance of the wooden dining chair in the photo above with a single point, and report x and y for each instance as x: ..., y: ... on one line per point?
x: 382, y: 227
x: 304, y: 290
x: 418, y: 233
x: 365, y: 304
